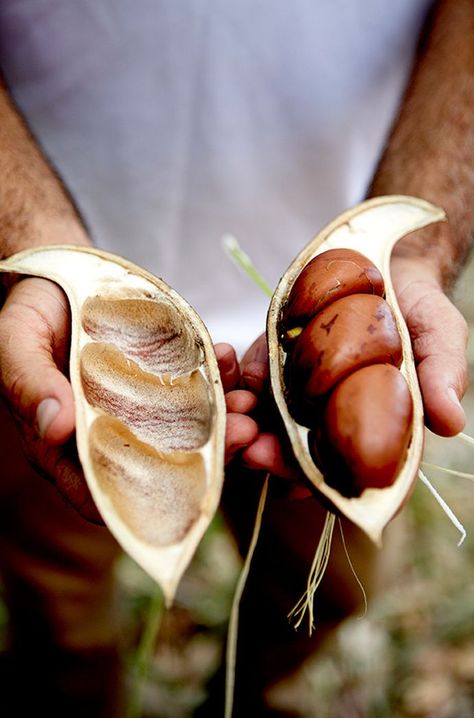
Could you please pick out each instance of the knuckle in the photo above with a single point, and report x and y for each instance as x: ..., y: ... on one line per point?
x: 461, y: 325
x: 435, y: 325
x: 14, y: 382
x: 14, y: 375
x: 461, y: 377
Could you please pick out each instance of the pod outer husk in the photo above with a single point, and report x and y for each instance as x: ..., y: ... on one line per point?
x: 372, y: 227
x: 160, y: 485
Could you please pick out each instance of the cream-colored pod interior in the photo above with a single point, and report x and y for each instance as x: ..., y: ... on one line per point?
x: 371, y: 228
x: 150, y: 410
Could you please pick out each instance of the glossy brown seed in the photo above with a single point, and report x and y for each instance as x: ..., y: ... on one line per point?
x: 350, y: 333
x: 329, y: 276
x: 367, y: 429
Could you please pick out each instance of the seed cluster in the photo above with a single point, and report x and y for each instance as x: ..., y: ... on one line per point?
x: 342, y: 371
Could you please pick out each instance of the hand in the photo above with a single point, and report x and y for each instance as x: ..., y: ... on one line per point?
x: 34, y: 354
x: 34, y: 347
x: 439, y: 337
x: 270, y: 451
x: 241, y: 429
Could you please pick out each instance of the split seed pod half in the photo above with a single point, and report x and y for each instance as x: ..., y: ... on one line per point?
x: 371, y: 228
x: 150, y: 410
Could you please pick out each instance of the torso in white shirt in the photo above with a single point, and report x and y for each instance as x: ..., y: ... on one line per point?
x: 173, y: 123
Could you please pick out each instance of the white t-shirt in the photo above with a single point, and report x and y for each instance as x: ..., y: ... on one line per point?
x: 174, y: 123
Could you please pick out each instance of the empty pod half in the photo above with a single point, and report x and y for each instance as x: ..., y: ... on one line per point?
x: 150, y: 410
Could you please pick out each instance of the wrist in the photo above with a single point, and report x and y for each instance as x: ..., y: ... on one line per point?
x: 434, y: 252
x: 40, y: 231
x: 36, y: 209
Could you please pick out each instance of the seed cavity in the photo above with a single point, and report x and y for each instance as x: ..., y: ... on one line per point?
x: 169, y: 417
x: 150, y: 332
x: 157, y: 497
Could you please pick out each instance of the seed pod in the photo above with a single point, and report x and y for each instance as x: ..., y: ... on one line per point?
x: 371, y: 228
x: 150, y: 410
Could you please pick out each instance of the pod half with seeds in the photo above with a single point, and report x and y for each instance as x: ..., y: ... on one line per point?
x: 333, y: 318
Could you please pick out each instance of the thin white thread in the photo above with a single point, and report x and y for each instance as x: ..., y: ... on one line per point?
x: 316, y: 574
x: 364, y: 595
x: 231, y: 650
x: 452, y: 472
x: 447, y: 510
x: 465, y: 437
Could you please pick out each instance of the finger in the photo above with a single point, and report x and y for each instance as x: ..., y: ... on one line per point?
x: 73, y: 486
x: 228, y: 365
x: 240, y: 401
x: 62, y: 464
x: 266, y: 454
x: 257, y: 352
x: 255, y: 377
x: 442, y: 383
x: 439, y: 339
x: 241, y: 431
x: 32, y: 329
x: 254, y: 366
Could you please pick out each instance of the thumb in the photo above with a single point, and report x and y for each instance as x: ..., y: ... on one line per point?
x: 254, y: 366
x: 34, y: 331
x: 439, y: 337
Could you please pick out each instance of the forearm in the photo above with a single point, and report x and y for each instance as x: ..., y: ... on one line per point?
x: 35, y: 208
x: 430, y: 152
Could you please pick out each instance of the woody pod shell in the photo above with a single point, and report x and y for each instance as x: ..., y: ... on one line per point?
x: 372, y: 228
x: 149, y: 404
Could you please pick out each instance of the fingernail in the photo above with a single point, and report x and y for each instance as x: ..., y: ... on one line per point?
x: 454, y: 397
x: 233, y: 367
x: 46, y: 412
x: 261, y: 353
x: 232, y: 448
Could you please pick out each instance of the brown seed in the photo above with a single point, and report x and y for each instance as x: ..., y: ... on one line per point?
x: 329, y: 276
x: 366, y: 432
x: 350, y: 333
